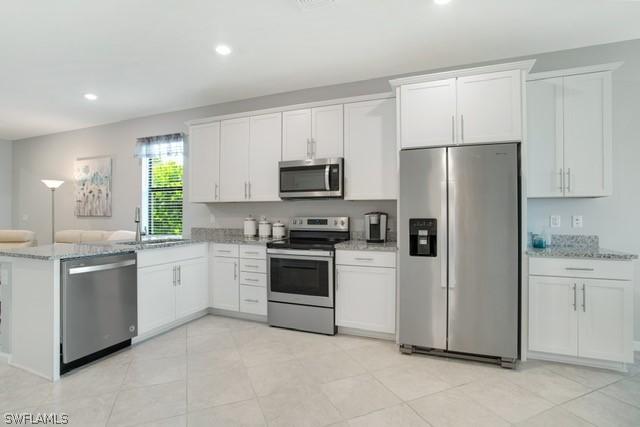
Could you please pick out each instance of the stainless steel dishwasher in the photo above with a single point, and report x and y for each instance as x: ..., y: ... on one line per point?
x: 99, y: 307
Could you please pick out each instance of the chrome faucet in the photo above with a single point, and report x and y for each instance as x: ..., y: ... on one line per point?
x: 138, y: 229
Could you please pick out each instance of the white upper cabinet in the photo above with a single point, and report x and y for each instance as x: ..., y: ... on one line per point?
x: 489, y: 107
x: 264, y: 155
x: 428, y: 113
x: 327, y: 132
x: 587, y: 134
x: 312, y: 133
x: 569, y: 141
x: 296, y: 135
x: 371, y: 166
x: 235, y: 137
x: 545, y: 122
x: 204, y: 162
x: 470, y: 106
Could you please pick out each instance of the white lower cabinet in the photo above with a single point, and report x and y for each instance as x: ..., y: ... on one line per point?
x: 225, y: 283
x: 172, y: 284
x: 581, y: 317
x: 366, y: 298
x: 238, y: 280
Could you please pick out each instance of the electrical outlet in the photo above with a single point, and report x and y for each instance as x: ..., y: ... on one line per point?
x: 576, y: 221
x: 555, y: 221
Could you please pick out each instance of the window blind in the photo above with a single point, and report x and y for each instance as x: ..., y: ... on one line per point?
x: 164, y: 195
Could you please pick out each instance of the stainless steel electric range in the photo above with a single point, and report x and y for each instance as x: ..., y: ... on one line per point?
x: 301, y: 272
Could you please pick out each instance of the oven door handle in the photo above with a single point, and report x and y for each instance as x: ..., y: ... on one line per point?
x: 301, y: 257
x: 327, y: 184
x: 297, y: 253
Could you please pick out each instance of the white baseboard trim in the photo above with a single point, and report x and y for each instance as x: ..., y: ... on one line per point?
x: 366, y: 334
x: 593, y: 363
x: 636, y: 346
x: 167, y: 328
x: 237, y: 315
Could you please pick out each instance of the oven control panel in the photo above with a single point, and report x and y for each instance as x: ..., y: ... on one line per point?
x: 339, y: 223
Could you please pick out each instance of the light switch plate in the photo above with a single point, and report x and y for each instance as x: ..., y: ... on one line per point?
x: 576, y: 221
x: 555, y: 221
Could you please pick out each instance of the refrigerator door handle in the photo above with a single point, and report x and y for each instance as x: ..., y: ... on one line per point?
x: 442, y: 233
x: 451, y: 237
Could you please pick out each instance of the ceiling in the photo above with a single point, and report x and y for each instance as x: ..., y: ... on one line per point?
x: 146, y: 57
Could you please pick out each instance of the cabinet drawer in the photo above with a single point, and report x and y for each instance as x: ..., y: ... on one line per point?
x: 366, y: 258
x: 150, y: 257
x: 253, y: 300
x: 253, y: 265
x: 596, y: 269
x: 253, y: 251
x: 223, y: 249
x: 253, y: 279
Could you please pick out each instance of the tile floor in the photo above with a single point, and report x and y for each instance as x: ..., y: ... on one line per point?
x: 218, y: 371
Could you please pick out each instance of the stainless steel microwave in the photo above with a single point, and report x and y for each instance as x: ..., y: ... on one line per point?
x: 312, y: 179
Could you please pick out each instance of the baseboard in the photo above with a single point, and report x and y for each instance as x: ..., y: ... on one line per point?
x: 238, y: 315
x: 593, y: 363
x: 636, y: 346
x: 366, y: 334
x: 168, y: 327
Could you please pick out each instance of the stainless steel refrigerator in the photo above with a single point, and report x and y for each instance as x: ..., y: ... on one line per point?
x: 459, y: 263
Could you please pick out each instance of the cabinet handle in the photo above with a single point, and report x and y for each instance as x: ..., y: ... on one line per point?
x: 251, y: 253
x: 245, y: 190
x: 226, y: 251
x: 255, y: 301
x: 453, y: 129
x: 575, y: 298
x: 251, y: 280
x: 579, y: 269
x: 569, y: 180
x: 308, y: 148
x: 313, y: 148
x: 174, y: 275
x: 250, y: 266
x: 364, y: 259
x: 235, y: 270
x: 584, y: 297
x: 215, y: 194
x: 462, y: 127
x: 249, y: 189
x: 561, y: 180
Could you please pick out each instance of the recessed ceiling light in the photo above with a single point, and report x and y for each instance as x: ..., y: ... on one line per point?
x: 441, y: 1
x: 223, y: 49
x: 91, y: 96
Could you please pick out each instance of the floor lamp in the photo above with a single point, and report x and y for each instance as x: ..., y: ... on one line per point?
x: 52, y: 184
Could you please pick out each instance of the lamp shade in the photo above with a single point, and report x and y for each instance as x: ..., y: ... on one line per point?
x: 52, y: 183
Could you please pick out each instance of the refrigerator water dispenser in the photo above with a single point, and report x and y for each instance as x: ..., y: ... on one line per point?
x: 423, y: 237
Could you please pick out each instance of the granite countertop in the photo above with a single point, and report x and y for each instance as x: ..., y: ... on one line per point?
x: 362, y: 245
x: 580, y: 252
x: 84, y: 250
x: 231, y: 236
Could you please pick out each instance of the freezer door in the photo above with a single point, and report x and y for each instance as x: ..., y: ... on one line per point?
x: 422, y: 306
x: 484, y: 254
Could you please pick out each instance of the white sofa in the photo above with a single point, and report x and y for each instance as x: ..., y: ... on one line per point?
x: 88, y: 236
x: 17, y: 239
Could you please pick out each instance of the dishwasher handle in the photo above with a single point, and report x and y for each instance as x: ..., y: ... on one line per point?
x: 102, y: 267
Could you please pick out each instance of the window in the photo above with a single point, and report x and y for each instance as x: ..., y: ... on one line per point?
x: 162, y: 188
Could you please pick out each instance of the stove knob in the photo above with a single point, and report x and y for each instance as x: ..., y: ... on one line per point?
x: 335, y: 222
x: 342, y: 222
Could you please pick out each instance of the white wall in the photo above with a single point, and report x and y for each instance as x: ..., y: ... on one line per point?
x: 52, y: 156
x: 6, y: 183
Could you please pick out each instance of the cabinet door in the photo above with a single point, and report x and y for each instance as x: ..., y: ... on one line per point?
x: 156, y: 297
x: 606, y: 320
x: 264, y: 155
x: 587, y: 134
x: 553, y: 317
x: 204, y: 162
x: 489, y: 107
x: 192, y: 290
x: 225, y: 284
x: 296, y: 134
x: 545, y: 138
x: 371, y: 166
x: 234, y: 159
x: 327, y: 132
x: 366, y: 298
x: 428, y: 114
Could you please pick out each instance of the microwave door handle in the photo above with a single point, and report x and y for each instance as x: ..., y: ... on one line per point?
x: 327, y: 185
